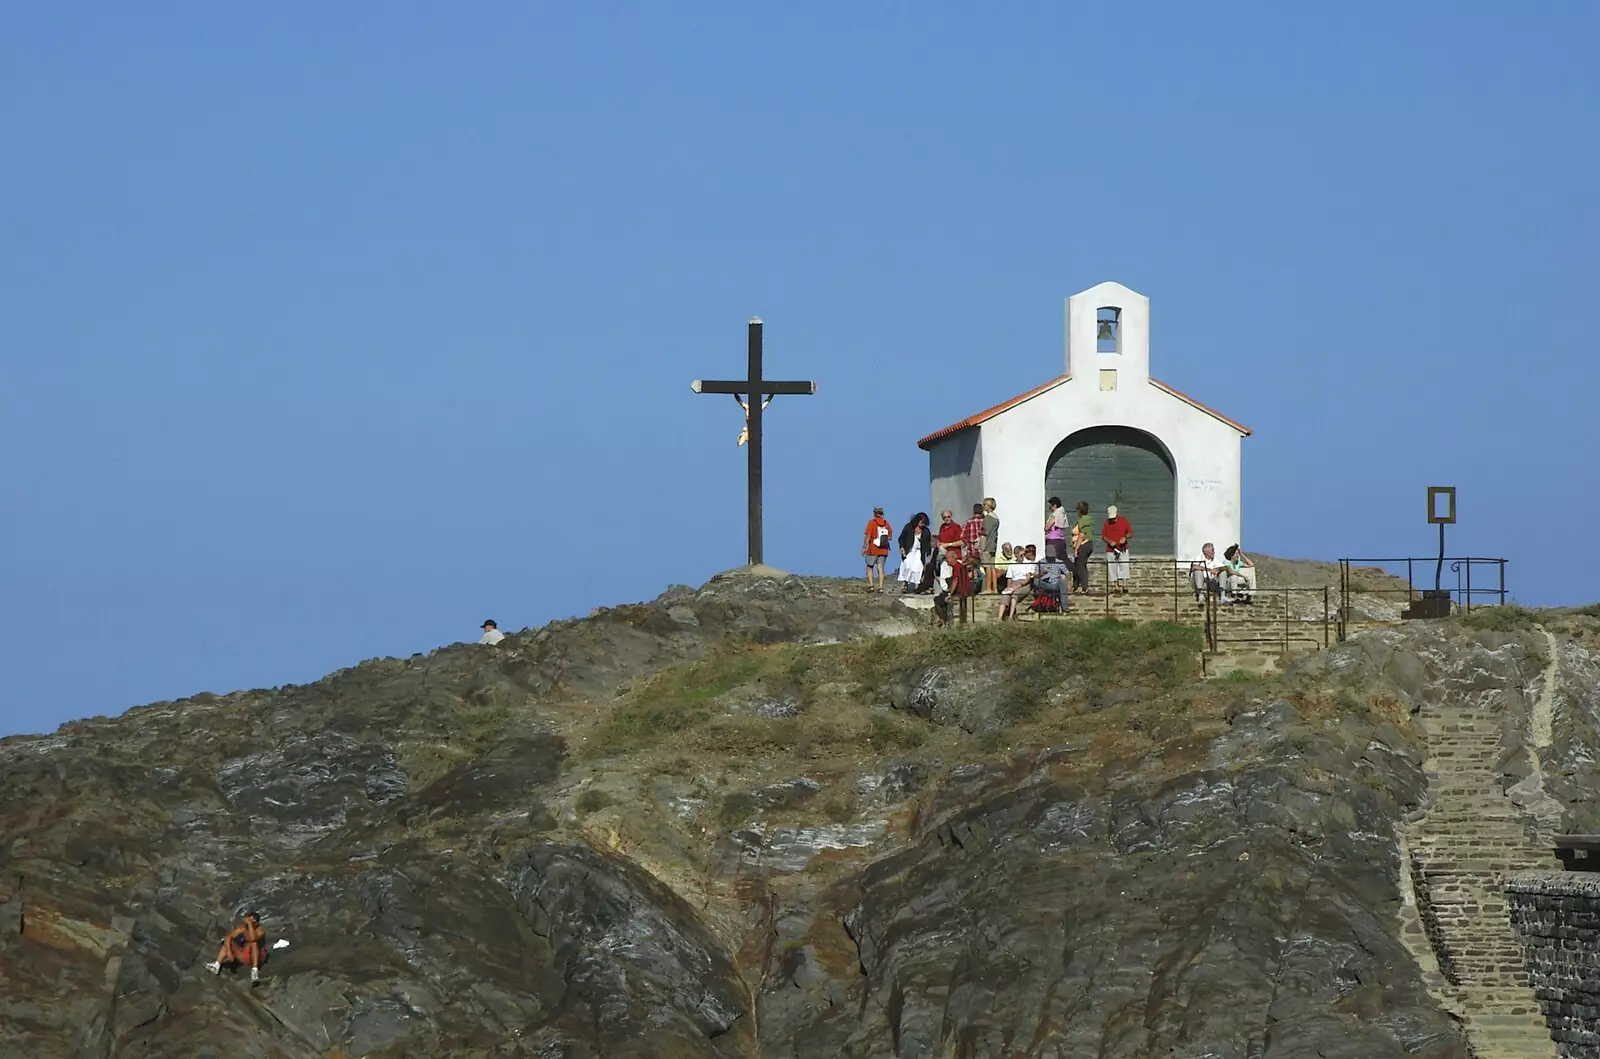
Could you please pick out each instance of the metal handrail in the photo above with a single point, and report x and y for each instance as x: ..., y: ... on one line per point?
x: 1217, y: 631
x: 1462, y: 595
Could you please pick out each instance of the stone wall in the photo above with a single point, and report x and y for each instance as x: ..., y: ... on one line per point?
x: 1557, y: 917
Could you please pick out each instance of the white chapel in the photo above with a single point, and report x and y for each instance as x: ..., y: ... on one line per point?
x: 1105, y: 432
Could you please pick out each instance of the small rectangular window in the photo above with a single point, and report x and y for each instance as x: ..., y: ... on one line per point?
x: 1108, y: 378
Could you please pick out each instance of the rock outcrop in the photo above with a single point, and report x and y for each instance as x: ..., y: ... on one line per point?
x: 752, y: 819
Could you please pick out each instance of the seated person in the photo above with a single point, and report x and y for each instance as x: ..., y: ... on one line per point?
x: 1002, y: 562
x: 243, y: 945
x: 1239, y: 577
x: 940, y: 564
x: 1019, y: 581
x: 1055, y: 578
x: 1205, y: 573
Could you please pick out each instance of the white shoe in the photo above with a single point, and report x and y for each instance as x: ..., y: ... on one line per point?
x: 214, y: 967
x: 255, y: 974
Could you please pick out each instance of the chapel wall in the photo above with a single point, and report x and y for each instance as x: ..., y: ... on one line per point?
x: 955, y: 471
x: 1205, y: 453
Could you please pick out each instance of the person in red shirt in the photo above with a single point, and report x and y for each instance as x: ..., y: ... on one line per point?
x: 875, y: 547
x: 963, y: 583
x: 949, y: 535
x: 1116, y: 532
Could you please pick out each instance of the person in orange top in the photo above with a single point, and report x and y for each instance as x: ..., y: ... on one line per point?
x: 875, y: 547
x: 241, y: 946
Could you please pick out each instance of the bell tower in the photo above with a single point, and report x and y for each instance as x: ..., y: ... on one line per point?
x: 1108, y: 337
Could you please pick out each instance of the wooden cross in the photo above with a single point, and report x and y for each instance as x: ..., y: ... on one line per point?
x: 753, y: 392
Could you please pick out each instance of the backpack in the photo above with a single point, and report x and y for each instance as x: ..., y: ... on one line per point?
x: 1045, y: 604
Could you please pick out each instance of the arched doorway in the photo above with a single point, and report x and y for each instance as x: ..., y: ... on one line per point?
x: 1122, y: 466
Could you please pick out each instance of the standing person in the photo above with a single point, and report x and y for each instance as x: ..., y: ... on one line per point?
x: 1082, y: 546
x: 1055, y: 530
x: 875, y: 547
x: 972, y: 534
x: 1117, y: 533
x: 915, y: 545
x: 990, y: 572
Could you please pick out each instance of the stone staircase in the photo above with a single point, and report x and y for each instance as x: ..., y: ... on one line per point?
x: 1459, y: 850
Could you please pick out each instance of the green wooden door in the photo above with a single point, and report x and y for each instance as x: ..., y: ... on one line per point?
x: 1121, y: 466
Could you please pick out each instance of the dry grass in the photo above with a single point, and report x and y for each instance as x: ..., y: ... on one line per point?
x: 689, y: 708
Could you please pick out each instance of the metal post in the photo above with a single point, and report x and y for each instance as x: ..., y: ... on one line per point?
x: 1286, y: 621
x: 755, y: 441
x: 1324, y: 617
x: 1469, y: 584
x: 1439, y: 568
x: 1502, y: 565
x: 1344, y: 586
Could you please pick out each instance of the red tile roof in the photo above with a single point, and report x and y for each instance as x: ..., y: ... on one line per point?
x: 990, y: 413
x: 1212, y: 412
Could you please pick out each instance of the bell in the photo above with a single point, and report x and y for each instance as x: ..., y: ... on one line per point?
x: 1105, y: 331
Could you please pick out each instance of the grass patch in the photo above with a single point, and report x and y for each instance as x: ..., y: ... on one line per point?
x: 840, y: 810
x: 591, y: 801
x: 425, y: 762
x: 992, y: 742
x: 890, y: 732
x: 1507, y: 618
x: 679, y: 707
x: 735, y: 809
x: 477, y: 728
x: 1035, y: 657
x: 1241, y: 676
x: 676, y: 699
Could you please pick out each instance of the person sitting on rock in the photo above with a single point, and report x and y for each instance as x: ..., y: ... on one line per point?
x: 243, y: 945
x: 491, y: 633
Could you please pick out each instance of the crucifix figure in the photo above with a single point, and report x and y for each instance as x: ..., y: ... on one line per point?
x: 753, y: 394
x: 744, y: 435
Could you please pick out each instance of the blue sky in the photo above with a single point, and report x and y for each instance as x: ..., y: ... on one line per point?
x: 328, y: 331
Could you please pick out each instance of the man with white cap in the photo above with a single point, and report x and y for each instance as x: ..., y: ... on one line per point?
x: 1117, y: 532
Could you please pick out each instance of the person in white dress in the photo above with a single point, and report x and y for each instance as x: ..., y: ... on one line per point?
x: 915, y: 544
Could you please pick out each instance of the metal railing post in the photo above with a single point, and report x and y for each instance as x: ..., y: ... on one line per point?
x: 1469, y: 586
x: 1324, y: 617
x: 1502, y: 565
x: 1285, y: 621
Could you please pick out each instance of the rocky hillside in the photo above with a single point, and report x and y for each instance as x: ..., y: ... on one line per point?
x: 770, y: 817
